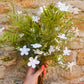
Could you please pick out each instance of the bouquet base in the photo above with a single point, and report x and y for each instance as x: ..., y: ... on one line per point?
x: 40, y: 79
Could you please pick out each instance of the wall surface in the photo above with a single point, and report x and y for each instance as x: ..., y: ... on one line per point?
x: 13, y: 72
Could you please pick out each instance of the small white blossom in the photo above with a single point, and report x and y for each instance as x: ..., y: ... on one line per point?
x: 1, y: 29
x: 73, y: 28
x: 62, y: 6
x: 58, y: 48
x: 66, y: 51
x: 73, y: 10
x: 45, y: 54
x: 60, y: 57
x: 24, y: 50
x: 19, y: 12
x: 70, y: 8
x: 62, y: 36
x: 32, y: 62
x: 21, y: 35
x: 60, y: 62
x: 70, y: 65
x: 51, y: 49
x: 76, y: 11
x: 59, y: 4
x: 32, y: 29
x: 36, y: 45
x: 41, y: 9
x: 35, y: 18
x: 56, y: 28
x: 77, y: 32
x: 18, y: 48
x: 37, y: 51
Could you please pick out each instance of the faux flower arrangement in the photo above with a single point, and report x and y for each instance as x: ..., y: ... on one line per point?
x: 41, y: 39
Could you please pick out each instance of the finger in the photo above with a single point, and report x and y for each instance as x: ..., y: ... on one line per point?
x: 36, y: 81
x: 46, y: 66
x: 44, y: 72
x: 37, y: 74
x: 42, y: 67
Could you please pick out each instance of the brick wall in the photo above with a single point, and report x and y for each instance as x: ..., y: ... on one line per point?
x: 13, y: 72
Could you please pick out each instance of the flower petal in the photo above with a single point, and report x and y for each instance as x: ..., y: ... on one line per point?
x: 37, y: 62
x: 31, y: 58
x: 33, y: 65
x: 26, y: 53
x: 20, y: 49
x: 22, y: 53
x: 24, y: 46
x: 29, y: 64
x: 28, y: 49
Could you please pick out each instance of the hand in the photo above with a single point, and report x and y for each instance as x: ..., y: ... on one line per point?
x: 32, y: 76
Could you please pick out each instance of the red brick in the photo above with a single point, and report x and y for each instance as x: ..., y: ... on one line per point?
x: 80, y: 58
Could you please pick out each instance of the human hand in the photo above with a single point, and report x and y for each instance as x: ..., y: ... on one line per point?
x: 32, y: 75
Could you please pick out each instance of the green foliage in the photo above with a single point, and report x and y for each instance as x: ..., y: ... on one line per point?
x: 52, y: 23
x: 7, y: 59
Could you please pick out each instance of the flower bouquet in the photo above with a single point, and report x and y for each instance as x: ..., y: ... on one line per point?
x: 41, y: 40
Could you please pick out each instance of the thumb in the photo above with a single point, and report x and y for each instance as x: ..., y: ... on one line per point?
x: 37, y: 74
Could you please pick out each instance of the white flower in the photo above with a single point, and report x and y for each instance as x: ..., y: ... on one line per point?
x: 70, y: 65
x: 62, y: 36
x: 51, y: 49
x: 66, y: 51
x: 60, y: 62
x: 62, y: 6
x: 41, y: 9
x: 56, y: 28
x: 2, y: 29
x: 73, y: 10
x: 76, y: 11
x: 35, y: 18
x: 70, y: 8
x: 36, y: 45
x: 19, y: 12
x: 32, y: 62
x: 45, y: 54
x: 60, y: 57
x: 58, y: 48
x: 73, y: 28
x: 24, y: 50
x: 37, y: 51
x: 18, y: 48
x: 77, y: 31
x: 32, y: 29
x: 21, y: 35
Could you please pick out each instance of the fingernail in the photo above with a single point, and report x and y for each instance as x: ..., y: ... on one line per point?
x: 44, y: 72
x: 42, y: 66
x: 46, y: 66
